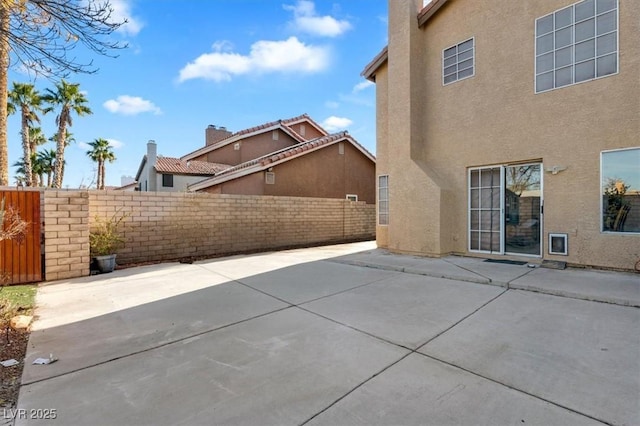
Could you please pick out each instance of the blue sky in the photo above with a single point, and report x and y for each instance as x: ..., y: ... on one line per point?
x: 233, y: 63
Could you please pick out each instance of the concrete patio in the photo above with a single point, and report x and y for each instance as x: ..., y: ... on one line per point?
x: 337, y: 335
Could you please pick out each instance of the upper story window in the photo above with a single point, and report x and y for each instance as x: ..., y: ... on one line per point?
x: 576, y: 44
x: 167, y: 181
x: 458, y: 62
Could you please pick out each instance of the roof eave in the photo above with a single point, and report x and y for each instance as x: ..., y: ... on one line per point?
x: 142, y: 163
x: 264, y: 165
x: 429, y: 10
x: 372, y: 67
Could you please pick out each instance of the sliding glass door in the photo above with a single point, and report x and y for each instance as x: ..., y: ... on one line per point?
x: 505, y: 209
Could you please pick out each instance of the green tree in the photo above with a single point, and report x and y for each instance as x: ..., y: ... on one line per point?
x: 69, y: 98
x: 25, y: 98
x: 40, y: 36
x: 36, y: 138
x: 46, y: 160
x: 21, y: 174
x: 100, y: 152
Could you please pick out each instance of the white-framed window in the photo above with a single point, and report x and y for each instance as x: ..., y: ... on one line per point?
x: 458, y: 62
x: 620, y: 191
x: 352, y: 197
x: 575, y: 44
x: 383, y: 200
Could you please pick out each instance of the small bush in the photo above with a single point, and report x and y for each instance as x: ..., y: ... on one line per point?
x: 105, y: 237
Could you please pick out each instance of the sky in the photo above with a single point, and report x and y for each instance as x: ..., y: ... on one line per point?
x: 232, y: 63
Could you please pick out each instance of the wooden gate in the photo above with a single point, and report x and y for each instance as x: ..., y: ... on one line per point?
x: 20, y: 258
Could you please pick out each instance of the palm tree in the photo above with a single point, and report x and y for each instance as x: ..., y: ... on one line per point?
x: 46, y: 160
x: 70, y: 99
x: 36, y: 138
x: 24, y: 97
x: 68, y: 140
x: 20, y: 172
x: 100, y: 152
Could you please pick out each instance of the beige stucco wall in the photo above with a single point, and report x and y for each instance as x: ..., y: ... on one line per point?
x: 436, y: 132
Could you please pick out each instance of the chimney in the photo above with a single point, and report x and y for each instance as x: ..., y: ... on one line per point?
x: 152, y: 157
x: 215, y: 134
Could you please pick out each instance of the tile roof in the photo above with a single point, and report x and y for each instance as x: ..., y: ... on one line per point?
x: 271, y: 124
x: 183, y: 167
x: 282, y: 155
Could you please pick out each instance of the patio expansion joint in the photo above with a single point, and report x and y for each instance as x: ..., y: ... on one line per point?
x: 511, y: 285
x: 150, y: 349
x: 532, y: 395
x: 411, y: 350
x: 297, y: 305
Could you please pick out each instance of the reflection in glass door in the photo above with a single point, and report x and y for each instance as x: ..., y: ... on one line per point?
x: 505, y: 209
x: 522, y: 212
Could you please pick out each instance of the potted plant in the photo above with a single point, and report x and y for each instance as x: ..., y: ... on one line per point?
x: 104, y: 240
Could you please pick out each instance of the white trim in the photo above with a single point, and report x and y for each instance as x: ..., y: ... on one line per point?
x: 601, y: 195
x: 352, y: 197
x: 501, y: 225
x: 378, y: 200
x: 566, y: 244
x: 500, y: 209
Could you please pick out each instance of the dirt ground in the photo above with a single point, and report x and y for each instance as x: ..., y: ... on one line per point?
x: 14, y: 348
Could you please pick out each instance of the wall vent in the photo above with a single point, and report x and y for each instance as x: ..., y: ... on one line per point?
x: 236, y: 146
x: 270, y: 178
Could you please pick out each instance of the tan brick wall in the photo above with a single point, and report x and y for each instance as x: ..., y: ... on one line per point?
x: 66, y: 234
x: 170, y: 226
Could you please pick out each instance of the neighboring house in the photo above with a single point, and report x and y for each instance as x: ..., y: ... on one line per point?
x: 127, y: 183
x: 510, y: 128
x: 167, y: 174
x: 293, y: 157
x: 332, y: 166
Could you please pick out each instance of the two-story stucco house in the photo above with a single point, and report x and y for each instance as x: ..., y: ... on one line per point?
x: 510, y: 128
x: 292, y: 157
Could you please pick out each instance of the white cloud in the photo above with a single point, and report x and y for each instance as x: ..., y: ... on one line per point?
x: 333, y: 123
x: 121, y: 12
x: 130, y: 105
x: 306, y: 20
x: 361, y: 86
x: 115, y: 144
x: 290, y: 55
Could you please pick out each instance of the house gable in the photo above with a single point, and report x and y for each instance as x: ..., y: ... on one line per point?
x: 330, y: 167
x: 290, y: 127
